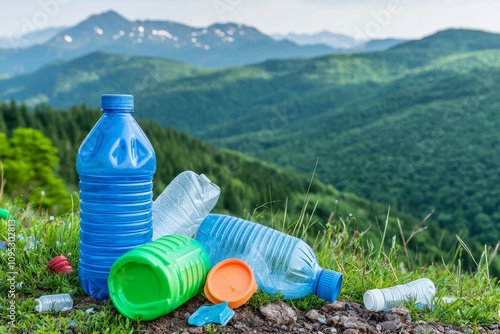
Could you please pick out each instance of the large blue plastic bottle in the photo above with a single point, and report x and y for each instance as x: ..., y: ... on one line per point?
x: 280, y: 263
x: 116, y: 164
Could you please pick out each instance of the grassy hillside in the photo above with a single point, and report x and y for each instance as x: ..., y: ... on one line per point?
x: 84, y: 80
x: 476, y: 295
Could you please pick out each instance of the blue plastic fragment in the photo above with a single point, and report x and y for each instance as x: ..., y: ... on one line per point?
x: 215, y: 314
x: 3, y: 245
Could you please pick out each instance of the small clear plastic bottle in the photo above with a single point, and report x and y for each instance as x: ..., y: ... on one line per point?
x: 421, y: 291
x: 183, y: 205
x: 59, y: 303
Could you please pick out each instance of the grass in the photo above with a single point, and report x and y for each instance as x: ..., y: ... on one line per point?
x: 338, y: 246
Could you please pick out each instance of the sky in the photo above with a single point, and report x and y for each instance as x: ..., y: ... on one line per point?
x: 363, y: 19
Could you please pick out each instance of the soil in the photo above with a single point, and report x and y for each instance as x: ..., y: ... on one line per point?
x: 278, y: 317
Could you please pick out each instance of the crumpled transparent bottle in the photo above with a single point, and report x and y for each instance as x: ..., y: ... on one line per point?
x: 421, y: 291
x: 183, y: 205
x: 280, y: 263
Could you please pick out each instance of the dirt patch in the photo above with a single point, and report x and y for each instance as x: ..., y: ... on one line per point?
x: 278, y: 317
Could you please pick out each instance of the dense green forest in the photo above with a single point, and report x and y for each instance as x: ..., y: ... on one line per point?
x: 246, y: 184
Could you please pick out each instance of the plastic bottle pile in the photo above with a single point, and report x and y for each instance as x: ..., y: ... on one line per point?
x: 151, y: 257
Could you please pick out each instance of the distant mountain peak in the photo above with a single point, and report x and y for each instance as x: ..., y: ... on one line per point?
x: 110, y: 14
x: 454, y: 40
x: 325, y: 37
x: 228, y: 25
x: 218, y: 45
x: 107, y: 18
x: 235, y: 27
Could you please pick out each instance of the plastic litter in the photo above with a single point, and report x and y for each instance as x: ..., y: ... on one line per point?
x: 215, y: 314
x: 280, y: 263
x: 31, y: 244
x: 183, y: 205
x: 448, y: 299
x: 60, y: 264
x: 59, y: 303
x: 230, y: 280
x: 116, y: 164
x: 421, y: 291
x: 4, y: 213
x: 3, y: 245
x: 154, y: 279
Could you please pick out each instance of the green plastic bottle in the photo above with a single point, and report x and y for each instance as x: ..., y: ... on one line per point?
x: 154, y: 279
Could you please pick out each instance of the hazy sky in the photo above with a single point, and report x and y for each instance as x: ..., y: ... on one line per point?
x: 361, y: 18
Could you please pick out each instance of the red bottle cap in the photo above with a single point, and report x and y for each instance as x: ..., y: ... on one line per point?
x: 60, y: 264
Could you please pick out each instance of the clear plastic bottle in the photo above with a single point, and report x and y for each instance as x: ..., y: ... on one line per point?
x: 59, y: 303
x: 280, y: 263
x: 183, y: 205
x: 116, y: 164
x: 421, y: 291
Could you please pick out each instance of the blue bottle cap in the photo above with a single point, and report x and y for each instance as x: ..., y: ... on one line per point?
x: 117, y: 101
x: 329, y: 285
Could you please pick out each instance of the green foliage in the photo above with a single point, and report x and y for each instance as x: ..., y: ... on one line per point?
x: 212, y: 330
x: 29, y: 161
x: 260, y: 298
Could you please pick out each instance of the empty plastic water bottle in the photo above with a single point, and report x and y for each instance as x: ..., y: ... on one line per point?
x: 280, y: 263
x: 421, y: 291
x: 59, y: 303
x: 181, y: 207
x: 116, y: 164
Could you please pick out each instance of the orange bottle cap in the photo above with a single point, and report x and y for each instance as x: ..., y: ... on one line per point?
x: 230, y: 280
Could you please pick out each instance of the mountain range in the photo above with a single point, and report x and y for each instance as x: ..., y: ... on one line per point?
x: 340, y: 41
x: 219, y: 45
x: 29, y: 39
x: 335, y: 40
